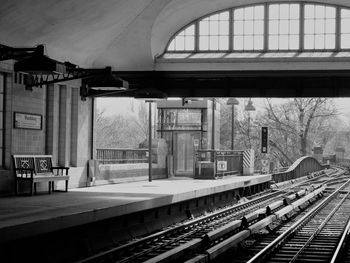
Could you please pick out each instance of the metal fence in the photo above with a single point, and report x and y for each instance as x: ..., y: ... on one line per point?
x: 210, y: 164
x: 299, y: 168
x: 118, y: 155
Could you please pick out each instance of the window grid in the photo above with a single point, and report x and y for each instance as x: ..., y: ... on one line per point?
x: 2, y: 100
x: 184, y: 41
x: 319, y: 27
x: 214, y: 32
x: 248, y: 28
x: 329, y: 30
x: 284, y: 27
x: 345, y: 29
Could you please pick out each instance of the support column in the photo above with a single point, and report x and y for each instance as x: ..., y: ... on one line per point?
x: 64, y: 126
x: 52, y: 121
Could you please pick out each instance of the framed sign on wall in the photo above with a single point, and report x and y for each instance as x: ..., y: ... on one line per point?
x: 27, y: 121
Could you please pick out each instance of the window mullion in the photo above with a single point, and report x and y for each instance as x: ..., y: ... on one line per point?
x: 230, y: 26
x: 266, y: 27
x: 301, y: 27
x: 196, y: 36
x: 337, y: 29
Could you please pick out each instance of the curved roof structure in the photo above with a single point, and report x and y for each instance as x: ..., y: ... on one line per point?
x: 127, y: 35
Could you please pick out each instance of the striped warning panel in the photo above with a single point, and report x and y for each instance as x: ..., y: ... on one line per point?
x: 248, y: 158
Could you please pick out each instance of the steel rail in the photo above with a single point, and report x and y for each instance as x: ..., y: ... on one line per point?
x: 339, y: 250
x: 295, y: 227
x: 320, y: 227
x: 200, y: 220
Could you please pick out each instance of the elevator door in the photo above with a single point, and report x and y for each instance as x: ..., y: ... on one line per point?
x: 184, y: 153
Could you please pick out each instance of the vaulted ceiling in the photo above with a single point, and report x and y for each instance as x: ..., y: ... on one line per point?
x: 126, y: 34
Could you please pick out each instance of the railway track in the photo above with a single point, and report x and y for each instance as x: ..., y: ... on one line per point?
x: 181, y: 241
x: 313, y: 238
x: 158, y: 243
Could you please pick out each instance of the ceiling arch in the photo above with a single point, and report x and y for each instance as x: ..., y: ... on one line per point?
x: 126, y: 35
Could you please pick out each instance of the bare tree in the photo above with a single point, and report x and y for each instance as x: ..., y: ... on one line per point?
x: 296, y: 124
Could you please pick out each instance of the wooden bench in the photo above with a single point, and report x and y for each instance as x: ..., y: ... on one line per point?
x: 36, y: 169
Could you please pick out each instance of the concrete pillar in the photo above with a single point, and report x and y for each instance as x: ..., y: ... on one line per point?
x: 74, y: 127
x: 64, y: 126
x: 52, y: 121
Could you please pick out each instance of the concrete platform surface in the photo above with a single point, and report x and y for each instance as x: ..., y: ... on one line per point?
x: 30, y: 215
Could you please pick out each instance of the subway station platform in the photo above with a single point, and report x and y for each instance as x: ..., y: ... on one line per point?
x: 26, y: 216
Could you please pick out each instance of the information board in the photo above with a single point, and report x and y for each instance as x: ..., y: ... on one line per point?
x: 27, y: 121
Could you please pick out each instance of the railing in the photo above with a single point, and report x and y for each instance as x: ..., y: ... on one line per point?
x: 211, y: 164
x: 299, y: 168
x: 118, y: 156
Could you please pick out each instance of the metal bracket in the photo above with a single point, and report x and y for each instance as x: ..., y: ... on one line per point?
x: 7, y: 52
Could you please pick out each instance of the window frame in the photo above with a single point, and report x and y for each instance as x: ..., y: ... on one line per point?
x: 265, y: 49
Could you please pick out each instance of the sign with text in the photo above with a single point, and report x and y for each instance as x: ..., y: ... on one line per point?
x: 27, y: 121
x: 222, y: 166
x: 264, y: 139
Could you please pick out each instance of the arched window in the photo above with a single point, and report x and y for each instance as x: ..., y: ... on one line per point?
x: 268, y: 27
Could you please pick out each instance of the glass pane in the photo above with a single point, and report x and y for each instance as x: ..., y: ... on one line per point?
x: 294, y: 26
x: 172, y: 45
x: 284, y: 11
x: 223, y: 42
x: 189, y: 43
x: 213, y: 43
x: 320, y: 11
x: 258, y: 27
x: 309, y: 11
x: 294, y: 11
x: 284, y: 27
x: 238, y: 14
x: 345, y: 25
x: 330, y: 26
x: 309, y: 26
x: 319, y: 26
x: 1, y: 140
x: 248, y: 27
x: 273, y: 12
x: 345, y: 41
x: 309, y: 41
x: 258, y: 42
x: 345, y: 13
x: 273, y: 42
x: 283, y: 43
x: 273, y: 27
x: 204, y: 28
x: 224, y: 16
x: 294, y: 42
x: 319, y: 41
x: 224, y: 28
x: 248, y: 13
x: 238, y: 43
x: 1, y: 150
x: 248, y: 42
x: 214, y: 28
x: 214, y: 17
x: 330, y: 42
x: 1, y: 120
x: 330, y: 12
x: 203, y: 43
x: 259, y: 12
x: 238, y: 28
x: 180, y: 43
x: 190, y: 31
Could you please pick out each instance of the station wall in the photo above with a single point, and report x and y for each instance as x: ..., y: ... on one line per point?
x: 66, y: 127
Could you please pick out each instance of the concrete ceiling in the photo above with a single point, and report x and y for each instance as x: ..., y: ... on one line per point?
x: 125, y: 34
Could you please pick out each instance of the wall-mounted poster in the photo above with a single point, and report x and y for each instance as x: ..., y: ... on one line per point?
x: 27, y: 121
